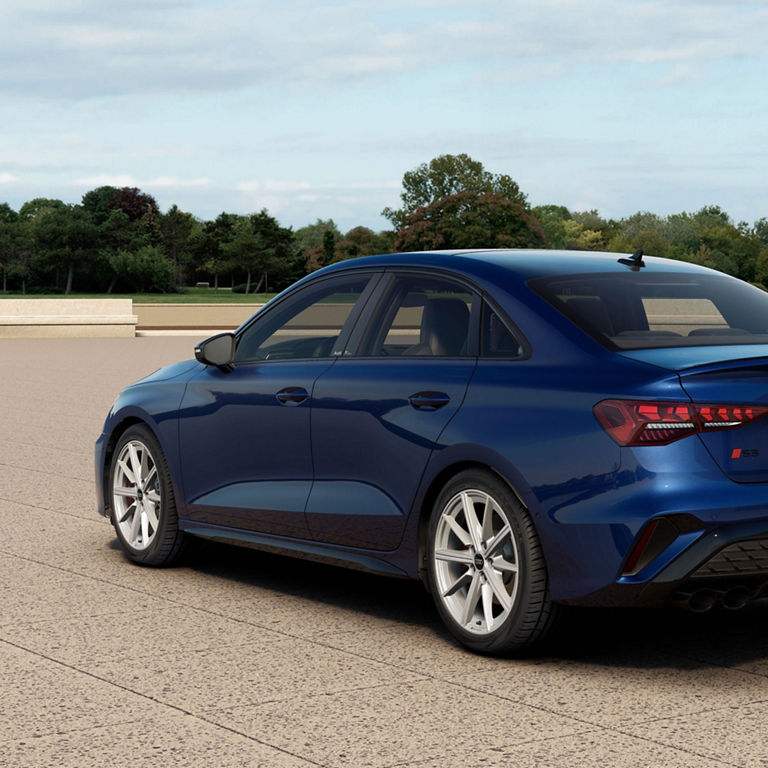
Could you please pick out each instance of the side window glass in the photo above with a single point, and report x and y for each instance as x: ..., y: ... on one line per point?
x: 306, y: 326
x: 423, y: 316
x: 496, y: 339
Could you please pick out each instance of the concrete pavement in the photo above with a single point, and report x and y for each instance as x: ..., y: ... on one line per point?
x: 242, y: 659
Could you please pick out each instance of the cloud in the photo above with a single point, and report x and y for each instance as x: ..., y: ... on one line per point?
x: 126, y: 180
x: 106, y: 180
x: 88, y: 49
x: 8, y: 178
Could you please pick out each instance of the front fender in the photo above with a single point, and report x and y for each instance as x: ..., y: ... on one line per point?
x: 154, y: 404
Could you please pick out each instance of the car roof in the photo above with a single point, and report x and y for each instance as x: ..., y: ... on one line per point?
x: 525, y: 264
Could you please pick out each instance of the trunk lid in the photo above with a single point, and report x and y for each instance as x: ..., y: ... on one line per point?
x: 724, y: 376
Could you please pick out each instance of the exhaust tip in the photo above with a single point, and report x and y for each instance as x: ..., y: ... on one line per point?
x: 736, y: 598
x: 702, y: 600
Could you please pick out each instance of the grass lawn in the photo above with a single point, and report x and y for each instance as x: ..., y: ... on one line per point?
x: 190, y: 296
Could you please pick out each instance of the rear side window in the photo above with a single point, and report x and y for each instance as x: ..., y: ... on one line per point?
x: 646, y: 310
x: 423, y: 317
x: 496, y: 338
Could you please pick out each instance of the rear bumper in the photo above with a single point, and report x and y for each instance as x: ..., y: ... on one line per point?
x: 719, y: 559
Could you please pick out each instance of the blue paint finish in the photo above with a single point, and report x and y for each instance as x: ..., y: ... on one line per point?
x: 345, y: 474
x: 153, y: 401
x: 365, y: 430
x: 283, y: 496
x: 237, y: 441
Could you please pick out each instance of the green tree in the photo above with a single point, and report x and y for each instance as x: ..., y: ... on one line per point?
x: 311, y: 235
x: 145, y: 270
x: 329, y: 245
x: 33, y: 209
x: 260, y: 246
x: 362, y: 241
x: 245, y: 250
x: 64, y: 237
x: 723, y: 246
x: 207, y: 246
x: 176, y: 229
x: 310, y: 243
x: 9, y: 240
x: 641, y: 230
x: 552, y: 219
x: 98, y: 202
x: 470, y: 220
x: 760, y: 229
x: 445, y: 176
x: 283, y: 265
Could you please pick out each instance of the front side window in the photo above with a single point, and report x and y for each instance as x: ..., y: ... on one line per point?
x: 644, y: 309
x: 422, y: 316
x: 308, y: 325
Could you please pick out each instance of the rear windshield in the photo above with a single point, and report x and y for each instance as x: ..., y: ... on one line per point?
x: 641, y: 310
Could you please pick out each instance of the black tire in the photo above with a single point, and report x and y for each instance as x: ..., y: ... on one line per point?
x: 489, y: 578
x: 146, y: 522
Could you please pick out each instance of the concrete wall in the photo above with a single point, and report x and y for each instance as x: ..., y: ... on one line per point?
x: 62, y: 318
x: 158, y: 317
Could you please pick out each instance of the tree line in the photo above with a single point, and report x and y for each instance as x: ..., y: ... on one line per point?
x: 118, y: 240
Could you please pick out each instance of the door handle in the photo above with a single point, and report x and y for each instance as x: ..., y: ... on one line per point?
x: 292, y: 395
x: 428, y: 401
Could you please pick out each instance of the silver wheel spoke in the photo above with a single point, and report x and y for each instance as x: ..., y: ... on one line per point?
x: 128, y: 492
x: 462, y: 535
x: 153, y: 496
x: 127, y: 471
x: 472, y: 522
x: 130, y: 510
x: 144, y: 467
x: 144, y: 526
x: 504, y: 565
x: 135, y: 463
x: 487, y: 593
x: 454, y: 556
x: 470, y: 602
x: 135, y: 527
x: 487, y: 520
x: 458, y: 584
x: 150, y: 475
x: 498, y: 539
x: 496, y: 585
x: 151, y: 515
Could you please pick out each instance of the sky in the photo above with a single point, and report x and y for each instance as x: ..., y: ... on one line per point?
x: 315, y: 110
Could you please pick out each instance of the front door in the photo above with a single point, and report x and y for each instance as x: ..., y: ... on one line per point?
x: 245, y: 434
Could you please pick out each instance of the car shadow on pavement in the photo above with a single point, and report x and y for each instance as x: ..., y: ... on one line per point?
x: 654, y: 637
x: 391, y: 599
x: 609, y: 637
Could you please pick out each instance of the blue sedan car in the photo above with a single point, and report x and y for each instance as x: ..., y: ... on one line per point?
x: 518, y: 429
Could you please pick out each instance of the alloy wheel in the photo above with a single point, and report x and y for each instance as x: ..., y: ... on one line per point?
x: 476, y: 562
x: 136, y: 495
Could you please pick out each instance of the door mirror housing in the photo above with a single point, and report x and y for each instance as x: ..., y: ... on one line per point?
x: 218, y: 350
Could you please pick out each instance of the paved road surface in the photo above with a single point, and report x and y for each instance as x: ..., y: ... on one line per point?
x: 243, y: 659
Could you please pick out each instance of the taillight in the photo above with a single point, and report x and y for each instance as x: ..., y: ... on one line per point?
x: 642, y: 422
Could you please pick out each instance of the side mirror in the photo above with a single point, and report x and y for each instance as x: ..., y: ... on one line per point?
x: 219, y: 350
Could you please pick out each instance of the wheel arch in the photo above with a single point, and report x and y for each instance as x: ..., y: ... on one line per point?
x: 119, y: 429
x: 436, y: 485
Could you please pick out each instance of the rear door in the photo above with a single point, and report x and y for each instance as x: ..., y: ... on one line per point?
x: 378, y: 412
